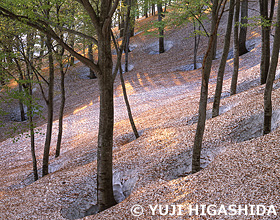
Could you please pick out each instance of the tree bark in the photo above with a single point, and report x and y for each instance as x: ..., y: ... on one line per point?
x: 236, y: 50
x: 206, y: 69
x: 153, y: 9
x: 128, y: 106
x: 128, y: 34
x: 265, y: 55
x: 243, y: 29
x: 31, y: 124
x: 161, y: 29
x: 213, y: 24
x: 50, y: 109
x: 271, y: 76
x: 61, y: 109
x: 32, y: 135
x: 90, y: 55
x: 21, y: 107
x: 196, y: 45
x: 105, y: 197
x: 220, y: 76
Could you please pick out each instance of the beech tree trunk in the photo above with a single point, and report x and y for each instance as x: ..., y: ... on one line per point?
x: 61, y: 109
x: 120, y: 49
x: 128, y: 106
x: 196, y: 45
x: 32, y: 136
x: 220, y: 76
x: 271, y: 76
x: 243, y: 29
x: 236, y: 50
x: 153, y: 9
x: 206, y: 69
x: 265, y: 56
x: 105, y: 197
x: 128, y: 34
x: 213, y: 24
x: 21, y: 107
x: 90, y: 55
x: 50, y: 109
x: 161, y: 29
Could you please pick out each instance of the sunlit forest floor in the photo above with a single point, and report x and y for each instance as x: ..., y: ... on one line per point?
x: 240, y: 166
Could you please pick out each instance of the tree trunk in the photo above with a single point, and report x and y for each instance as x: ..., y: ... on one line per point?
x: 30, y: 116
x: 128, y: 34
x: 42, y: 43
x: 271, y: 76
x: 50, y: 109
x: 220, y: 76
x: 32, y: 136
x: 206, y: 69
x: 72, y: 44
x: 196, y: 44
x: 161, y: 29
x: 20, y: 86
x: 146, y: 7
x: 121, y: 21
x: 236, y: 50
x: 127, y: 50
x: 21, y: 107
x: 214, y: 12
x: 61, y: 110
x: 153, y: 9
x: 105, y: 197
x: 132, y: 16
x: 243, y: 29
x: 128, y: 106
x: 265, y: 55
x: 90, y: 56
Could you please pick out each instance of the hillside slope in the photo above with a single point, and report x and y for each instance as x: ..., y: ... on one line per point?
x: 240, y: 165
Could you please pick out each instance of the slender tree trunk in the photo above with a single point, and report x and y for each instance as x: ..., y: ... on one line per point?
x: 31, y: 124
x: 72, y: 44
x: 121, y: 25
x: 128, y: 106
x: 127, y: 50
x: 214, y: 12
x: 20, y: 85
x: 153, y: 9
x: 21, y: 107
x: 236, y: 50
x: 206, y: 69
x: 42, y: 43
x: 196, y: 44
x: 271, y: 76
x: 161, y: 29
x: 32, y: 136
x: 128, y: 34
x: 243, y: 29
x: 265, y: 55
x: 220, y: 76
x: 50, y: 109
x: 132, y: 16
x: 61, y: 110
x: 90, y: 55
x: 146, y: 8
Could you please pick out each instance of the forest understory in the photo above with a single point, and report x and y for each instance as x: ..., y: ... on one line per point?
x: 240, y: 165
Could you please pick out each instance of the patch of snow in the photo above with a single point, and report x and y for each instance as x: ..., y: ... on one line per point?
x: 154, y: 47
x: 189, y: 67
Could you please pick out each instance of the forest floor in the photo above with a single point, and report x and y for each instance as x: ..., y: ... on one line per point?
x: 240, y: 166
